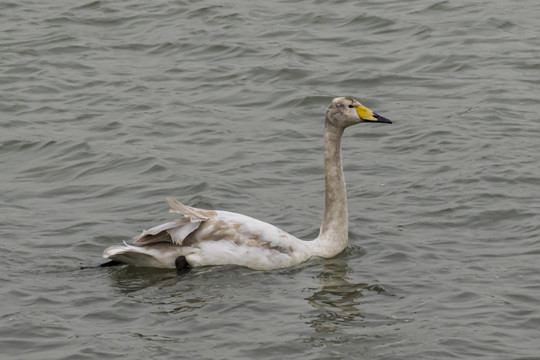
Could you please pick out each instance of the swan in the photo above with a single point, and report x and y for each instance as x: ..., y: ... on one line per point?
x: 215, y: 237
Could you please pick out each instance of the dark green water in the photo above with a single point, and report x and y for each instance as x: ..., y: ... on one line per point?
x: 106, y: 108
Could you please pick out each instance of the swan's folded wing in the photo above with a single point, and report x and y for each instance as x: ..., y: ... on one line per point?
x: 172, y: 232
x: 175, y: 231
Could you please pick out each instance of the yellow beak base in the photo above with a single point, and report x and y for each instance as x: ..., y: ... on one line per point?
x: 365, y: 114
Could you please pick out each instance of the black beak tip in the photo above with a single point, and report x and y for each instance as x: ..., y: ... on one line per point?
x: 382, y: 119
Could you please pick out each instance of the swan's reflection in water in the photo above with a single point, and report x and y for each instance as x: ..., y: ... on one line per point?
x: 334, y: 312
x: 129, y: 280
x: 337, y: 304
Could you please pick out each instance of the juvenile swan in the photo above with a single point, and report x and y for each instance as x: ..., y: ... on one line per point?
x: 215, y: 237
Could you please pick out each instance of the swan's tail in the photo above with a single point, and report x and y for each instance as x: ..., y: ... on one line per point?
x: 160, y: 246
x: 161, y: 255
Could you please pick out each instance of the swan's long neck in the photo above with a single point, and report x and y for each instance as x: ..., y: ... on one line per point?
x: 333, y: 236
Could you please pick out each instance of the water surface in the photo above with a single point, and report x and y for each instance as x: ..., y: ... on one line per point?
x: 107, y: 108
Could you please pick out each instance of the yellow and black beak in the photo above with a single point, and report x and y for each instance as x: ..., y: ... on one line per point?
x: 367, y: 115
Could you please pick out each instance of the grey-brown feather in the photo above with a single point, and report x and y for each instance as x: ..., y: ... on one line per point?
x: 149, y: 239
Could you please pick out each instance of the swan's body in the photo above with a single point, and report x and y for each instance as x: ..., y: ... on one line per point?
x: 214, y: 237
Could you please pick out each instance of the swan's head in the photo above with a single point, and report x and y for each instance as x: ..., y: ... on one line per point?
x: 346, y: 111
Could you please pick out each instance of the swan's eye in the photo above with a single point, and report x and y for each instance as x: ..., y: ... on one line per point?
x: 350, y: 106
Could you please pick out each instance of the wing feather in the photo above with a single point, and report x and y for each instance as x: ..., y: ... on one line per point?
x: 172, y: 232
x: 193, y: 214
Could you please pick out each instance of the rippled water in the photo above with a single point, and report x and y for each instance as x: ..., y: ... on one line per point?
x: 108, y: 107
